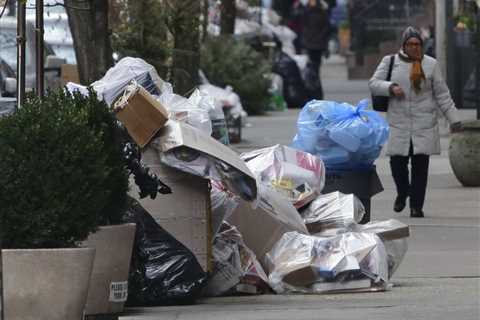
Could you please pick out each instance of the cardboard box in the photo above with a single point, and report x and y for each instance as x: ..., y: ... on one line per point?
x: 186, y: 213
x: 303, y: 277
x: 176, y: 134
x: 69, y: 73
x: 263, y: 226
x: 140, y: 113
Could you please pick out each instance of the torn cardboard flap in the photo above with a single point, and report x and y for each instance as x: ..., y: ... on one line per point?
x: 388, y: 230
x: 232, y: 170
x: 262, y: 226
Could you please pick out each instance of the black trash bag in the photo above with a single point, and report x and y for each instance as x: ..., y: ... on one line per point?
x: 313, y: 85
x: 294, y: 91
x: 162, y: 270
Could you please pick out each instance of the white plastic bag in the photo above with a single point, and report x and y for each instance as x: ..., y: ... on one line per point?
x: 333, y: 210
x: 185, y: 110
x: 119, y: 76
x: 297, y: 175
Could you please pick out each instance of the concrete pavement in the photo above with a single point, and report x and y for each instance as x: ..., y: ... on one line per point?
x: 440, y: 275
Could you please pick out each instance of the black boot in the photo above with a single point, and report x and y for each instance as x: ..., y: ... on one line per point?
x: 416, y: 213
x: 399, y: 204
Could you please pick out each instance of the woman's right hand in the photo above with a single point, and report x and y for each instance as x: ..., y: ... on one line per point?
x: 397, y: 91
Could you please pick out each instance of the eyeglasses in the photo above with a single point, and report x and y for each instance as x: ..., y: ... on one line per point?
x: 413, y: 44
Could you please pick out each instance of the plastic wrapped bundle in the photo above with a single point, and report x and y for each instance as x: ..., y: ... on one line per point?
x: 344, y: 136
x: 394, y: 235
x: 309, y: 264
x: 392, y: 232
x: 332, y: 210
x: 297, y: 175
x: 236, y: 268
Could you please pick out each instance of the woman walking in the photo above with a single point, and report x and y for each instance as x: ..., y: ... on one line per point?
x: 417, y: 93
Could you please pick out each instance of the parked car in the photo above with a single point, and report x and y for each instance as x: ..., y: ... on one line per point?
x: 8, y: 54
x: 8, y: 81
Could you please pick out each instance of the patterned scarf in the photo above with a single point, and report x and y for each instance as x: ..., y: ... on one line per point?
x: 417, y: 74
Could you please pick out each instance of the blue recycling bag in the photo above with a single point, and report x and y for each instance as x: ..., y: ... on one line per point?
x: 342, y: 135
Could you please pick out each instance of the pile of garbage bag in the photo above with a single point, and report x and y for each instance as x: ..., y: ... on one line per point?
x: 203, y: 109
x: 343, y: 136
x: 252, y: 222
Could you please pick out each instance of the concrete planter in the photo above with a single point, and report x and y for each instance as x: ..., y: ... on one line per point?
x: 109, y: 281
x: 46, y: 284
x: 464, y: 154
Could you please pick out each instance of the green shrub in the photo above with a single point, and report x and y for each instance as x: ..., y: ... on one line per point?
x: 61, y: 171
x: 226, y: 61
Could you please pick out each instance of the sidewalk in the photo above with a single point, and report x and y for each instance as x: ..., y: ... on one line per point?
x: 438, y: 279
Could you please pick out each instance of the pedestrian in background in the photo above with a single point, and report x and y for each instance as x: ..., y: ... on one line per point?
x: 295, y: 22
x: 316, y: 29
x: 417, y: 93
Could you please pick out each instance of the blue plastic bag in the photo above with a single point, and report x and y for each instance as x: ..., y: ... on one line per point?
x: 343, y: 136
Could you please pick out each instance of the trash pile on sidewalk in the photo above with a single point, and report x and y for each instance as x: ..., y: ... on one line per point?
x: 250, y: 224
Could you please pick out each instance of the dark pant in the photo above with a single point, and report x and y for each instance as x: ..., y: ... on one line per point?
x: 313, y: 83
x: 315, y: 57
x: 416, y: 186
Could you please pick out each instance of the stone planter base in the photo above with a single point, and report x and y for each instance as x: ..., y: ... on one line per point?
x: 464, y: 154
x: 109, y: 281
x: 46, y: 284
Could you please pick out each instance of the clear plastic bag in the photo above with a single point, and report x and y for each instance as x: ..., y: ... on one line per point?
x: 215, y: 111
x: 309, y: 264
x: 234, y: 263
x: 333, y: 210
x: 186, y: 110
x: 119, y: 76
x: 297, y: 175
x: 344, y: 136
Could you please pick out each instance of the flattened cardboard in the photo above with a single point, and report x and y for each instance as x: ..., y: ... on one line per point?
x: 176, y: 134
x: 186, y: 212
x: 143, y: 116
x: 262, y: 227
x: 303, y: 277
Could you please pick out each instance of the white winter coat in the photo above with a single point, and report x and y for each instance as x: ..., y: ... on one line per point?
x: 414, y: 117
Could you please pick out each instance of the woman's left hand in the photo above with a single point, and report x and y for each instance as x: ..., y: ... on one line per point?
x: 456, y: 127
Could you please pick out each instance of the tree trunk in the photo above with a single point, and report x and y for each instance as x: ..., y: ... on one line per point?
x: 185, y: 28
x: 89, y: 26
x: 205, y: 20
x: 227, y: 18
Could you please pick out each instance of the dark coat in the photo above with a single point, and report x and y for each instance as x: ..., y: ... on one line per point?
x: 316, y: 28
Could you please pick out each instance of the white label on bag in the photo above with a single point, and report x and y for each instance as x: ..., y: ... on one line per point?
x: 118, y: 291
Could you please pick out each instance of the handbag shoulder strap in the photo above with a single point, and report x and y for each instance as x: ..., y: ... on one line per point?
x: 389, y: 75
